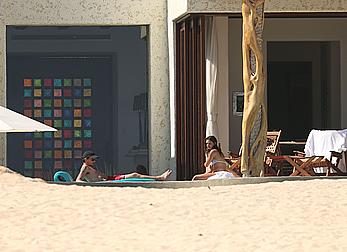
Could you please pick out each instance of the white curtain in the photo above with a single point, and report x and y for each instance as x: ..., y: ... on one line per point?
x: 211, y: 78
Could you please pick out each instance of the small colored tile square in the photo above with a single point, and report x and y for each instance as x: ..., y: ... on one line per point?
x: 47, y: 154
x: 48, y: 135
x: 57, y: 124
x: 38, y: 173
x: 47, y: 82
x: 87, y: 112
x: 67, y: 92
x: 38, y: 154
x: 47, y: 103
x: 77, y: 153
x: 58, y: 144
x: 87, y: 133
x: 77, y: 123
x: 57, y: 92
x: 47, y: 113
x: 48, y: 122
x: 48, y: 144
x: 77, y: 82
x: 67, y: 133
x: 67, y: 82
x: 77, y: 133
x: 37, y: 135
x: 58, y: 165
x: 67, y: 113
x: 87, y: 144
x: 67, y: 103
x: 67, y: 123
x: 77, y: 103
x: 37, y: 82
x: 38, y: 144
x: 28, y: 112
x: 77, y: 92
x: 87, y: 82
x: 27, y: 92
x: 37, y: 93
x: 57, y: 113
x: 87, y: 92
x: 37, y: 103
x: 58, y: 134
x: 57, y: 102
x: 88, y: 123
x: 58, y: 154
x: 38, y: 164
x: 67, y: 154
x: 47, y: 92
x: 77, y: 144
x: 28, y: 154
x: 37, y: 113
x: 68, y: 164
x: 27, y: 82
x: 28, y: 164
x: 68, y: 144
x: 27, y: 103
x: 57, y: 82
x: 77, y: 113
x: 87, y: 103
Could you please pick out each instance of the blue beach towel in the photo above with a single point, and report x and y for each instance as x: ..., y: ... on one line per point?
x: 135, y: 180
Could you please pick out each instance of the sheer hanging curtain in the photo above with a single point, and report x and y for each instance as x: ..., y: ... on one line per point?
x: 211, y: 77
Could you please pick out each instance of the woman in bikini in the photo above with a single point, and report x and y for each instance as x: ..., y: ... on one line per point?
x: 215, y: 161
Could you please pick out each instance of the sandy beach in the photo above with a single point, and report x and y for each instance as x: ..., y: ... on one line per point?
x: 276, y: 216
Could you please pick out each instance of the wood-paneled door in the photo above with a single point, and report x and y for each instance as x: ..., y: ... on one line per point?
x: 190, y: 96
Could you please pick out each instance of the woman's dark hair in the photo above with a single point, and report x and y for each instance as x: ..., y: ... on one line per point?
x: 216, y: 145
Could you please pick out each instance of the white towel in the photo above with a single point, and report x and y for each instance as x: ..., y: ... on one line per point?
x: 321, y: 142
x: 222, y: 175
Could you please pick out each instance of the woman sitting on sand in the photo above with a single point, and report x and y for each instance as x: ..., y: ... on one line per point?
x: 89, y: 173
x: 215, y: 163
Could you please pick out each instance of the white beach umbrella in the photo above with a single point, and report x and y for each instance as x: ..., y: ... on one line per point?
x: 11, y: 121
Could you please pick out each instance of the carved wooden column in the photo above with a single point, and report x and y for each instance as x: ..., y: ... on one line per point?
x: 254, y: 122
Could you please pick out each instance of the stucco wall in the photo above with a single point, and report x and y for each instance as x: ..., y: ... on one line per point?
x: 107, y: 12
x: 270, y: 5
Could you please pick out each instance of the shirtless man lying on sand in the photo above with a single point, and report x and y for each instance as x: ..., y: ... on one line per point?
x: 88, y: 172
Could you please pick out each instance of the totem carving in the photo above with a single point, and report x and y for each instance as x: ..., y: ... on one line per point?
x: 254, y: 122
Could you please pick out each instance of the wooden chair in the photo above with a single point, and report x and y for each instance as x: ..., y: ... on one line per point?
x: 308, y: 166
x: 272, y: 149
x: 320, y: 156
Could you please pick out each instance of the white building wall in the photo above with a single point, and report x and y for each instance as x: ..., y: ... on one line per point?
x: 227, y: 6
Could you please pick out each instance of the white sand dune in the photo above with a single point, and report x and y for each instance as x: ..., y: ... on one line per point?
x: 286, y: 216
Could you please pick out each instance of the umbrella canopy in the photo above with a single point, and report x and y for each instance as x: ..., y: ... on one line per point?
x: 11, y: 121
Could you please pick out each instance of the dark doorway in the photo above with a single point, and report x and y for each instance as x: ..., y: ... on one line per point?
x: 88, y: 82
x: 289, y: 94
x: 303, y: 87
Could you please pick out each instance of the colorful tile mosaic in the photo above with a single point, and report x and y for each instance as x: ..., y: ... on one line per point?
x: 66, y: 104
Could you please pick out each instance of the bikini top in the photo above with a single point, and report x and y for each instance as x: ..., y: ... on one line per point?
x: 213, y: 162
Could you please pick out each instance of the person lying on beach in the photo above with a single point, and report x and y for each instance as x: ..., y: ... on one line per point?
x: 88, y: 172
x: 215, y: 163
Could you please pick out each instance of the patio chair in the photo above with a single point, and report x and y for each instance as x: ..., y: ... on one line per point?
x: 272, y: 149
x: 325, y: 154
